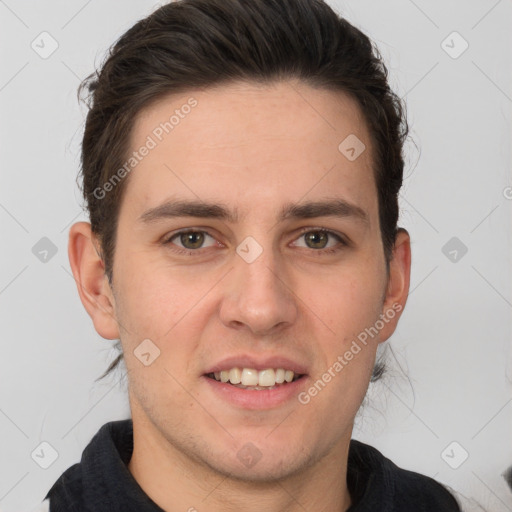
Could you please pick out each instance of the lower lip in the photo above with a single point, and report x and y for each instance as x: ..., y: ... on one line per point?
x: 257, y: 398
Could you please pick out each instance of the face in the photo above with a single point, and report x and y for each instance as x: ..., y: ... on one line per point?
x: 278, y: 265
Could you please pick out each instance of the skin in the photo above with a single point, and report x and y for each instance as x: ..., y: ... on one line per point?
x: 253, y: 148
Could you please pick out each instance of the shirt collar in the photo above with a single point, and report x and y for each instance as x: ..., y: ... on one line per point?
x: 102, y: 480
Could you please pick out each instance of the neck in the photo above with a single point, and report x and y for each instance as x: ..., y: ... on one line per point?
x: 176, y: 482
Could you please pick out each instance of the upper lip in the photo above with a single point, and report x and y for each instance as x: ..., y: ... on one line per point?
x: 258, y: 363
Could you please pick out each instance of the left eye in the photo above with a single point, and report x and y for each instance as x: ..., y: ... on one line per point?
x: 319, y: 238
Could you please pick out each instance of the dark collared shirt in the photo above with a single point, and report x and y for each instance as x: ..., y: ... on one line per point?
x: 101, y: 481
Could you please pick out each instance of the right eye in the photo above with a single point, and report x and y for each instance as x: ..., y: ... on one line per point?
x: 191, y: 240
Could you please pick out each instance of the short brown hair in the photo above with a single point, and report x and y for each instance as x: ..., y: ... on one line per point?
x: 199, y: 43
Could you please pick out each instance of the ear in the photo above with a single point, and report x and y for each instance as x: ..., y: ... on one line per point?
x: 92, y: 283
x: 398, y: 284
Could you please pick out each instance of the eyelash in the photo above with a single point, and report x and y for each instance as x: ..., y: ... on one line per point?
x: 320, y: 252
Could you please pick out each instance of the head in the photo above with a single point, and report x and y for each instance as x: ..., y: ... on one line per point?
x: 269, y: 116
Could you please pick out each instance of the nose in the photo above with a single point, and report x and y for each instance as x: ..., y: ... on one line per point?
x: 258, y: 296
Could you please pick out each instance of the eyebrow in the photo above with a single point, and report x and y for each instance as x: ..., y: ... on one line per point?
x: 326, y: 208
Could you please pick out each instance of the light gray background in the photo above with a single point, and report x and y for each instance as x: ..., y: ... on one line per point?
x: 453, y: 340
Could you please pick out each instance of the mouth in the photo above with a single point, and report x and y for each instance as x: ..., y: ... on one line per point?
x: 253, y: 379
x: 252, y: 382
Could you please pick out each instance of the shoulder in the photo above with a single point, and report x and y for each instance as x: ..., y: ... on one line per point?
x: 375, y: 477
x: 413, y: 487
x: 87, y: 481
x: 67, y: 489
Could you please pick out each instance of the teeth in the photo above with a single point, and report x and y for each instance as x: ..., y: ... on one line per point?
x: 235, y: 375
x: 280, y: 376
x: 250, y: 377
x: 267, y: 377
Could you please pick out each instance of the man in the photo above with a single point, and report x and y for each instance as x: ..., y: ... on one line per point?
x: 241, y: 165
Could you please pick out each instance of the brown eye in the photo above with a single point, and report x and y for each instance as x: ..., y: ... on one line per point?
x: 321, y: 239
x: 316, y: 239
x: 192, y: 239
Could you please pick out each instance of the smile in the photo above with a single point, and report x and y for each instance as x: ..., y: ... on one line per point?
x: 250, y: 378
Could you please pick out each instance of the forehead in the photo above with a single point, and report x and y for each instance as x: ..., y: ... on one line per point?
x: 277, y: 141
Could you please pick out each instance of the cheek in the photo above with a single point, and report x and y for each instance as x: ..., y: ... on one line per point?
x: 350, y: 300
x: 153, y: 298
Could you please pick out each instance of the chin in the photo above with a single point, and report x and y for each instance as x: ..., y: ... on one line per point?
x: 262, y: 471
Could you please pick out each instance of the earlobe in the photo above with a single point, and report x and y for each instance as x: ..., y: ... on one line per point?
x: 398, y: 283
x: 92, y: 284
